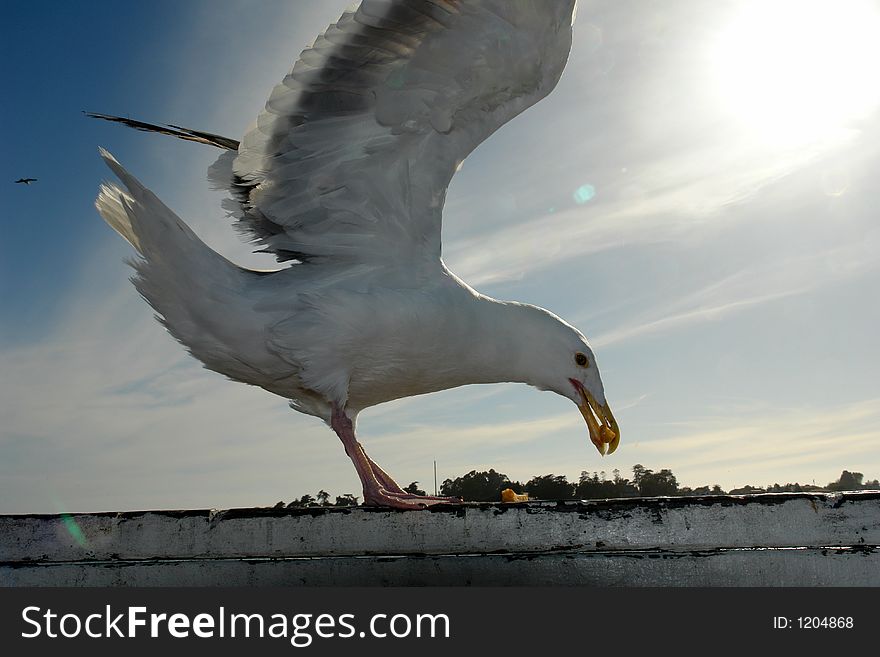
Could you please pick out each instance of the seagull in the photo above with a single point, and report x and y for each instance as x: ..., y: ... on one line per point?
x: 25, y: 181
x: 343, y: 178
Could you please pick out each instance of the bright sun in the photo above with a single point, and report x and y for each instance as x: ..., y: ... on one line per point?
x: 799, y: 70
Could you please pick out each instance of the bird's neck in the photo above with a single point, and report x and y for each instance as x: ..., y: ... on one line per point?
x: 505, y: 343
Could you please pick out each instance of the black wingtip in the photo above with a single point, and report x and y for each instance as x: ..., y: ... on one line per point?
x: 197, y: 136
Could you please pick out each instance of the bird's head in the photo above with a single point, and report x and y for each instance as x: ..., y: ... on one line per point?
x: 589, y: 396
x: 559, y: 358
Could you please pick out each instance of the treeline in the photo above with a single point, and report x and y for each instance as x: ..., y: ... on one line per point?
x: 322, y: 498
x: 487, y: 486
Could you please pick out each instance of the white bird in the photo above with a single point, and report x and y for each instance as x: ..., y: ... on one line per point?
x: 344, y: 176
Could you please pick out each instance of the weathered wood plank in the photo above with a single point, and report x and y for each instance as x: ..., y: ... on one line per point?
x: 677, y: 524
x: 769, y: 567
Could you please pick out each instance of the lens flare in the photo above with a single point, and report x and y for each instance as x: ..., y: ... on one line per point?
x: 74, y: 530
x: 584, y: 194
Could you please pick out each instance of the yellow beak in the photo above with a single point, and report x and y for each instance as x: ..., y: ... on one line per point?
x: 604, y: 432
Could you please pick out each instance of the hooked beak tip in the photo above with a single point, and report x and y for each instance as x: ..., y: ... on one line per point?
x: 604, y: 432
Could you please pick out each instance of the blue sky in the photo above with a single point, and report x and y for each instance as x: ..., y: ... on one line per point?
x: 725, y: 267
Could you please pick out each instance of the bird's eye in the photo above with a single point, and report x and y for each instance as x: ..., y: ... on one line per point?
x: 581, y: 359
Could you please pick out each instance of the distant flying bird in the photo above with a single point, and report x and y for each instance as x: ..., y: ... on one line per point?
x: 25, y: 181
x: 344, y: 177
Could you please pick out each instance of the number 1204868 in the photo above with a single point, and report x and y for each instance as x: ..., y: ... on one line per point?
x: 825, y: 622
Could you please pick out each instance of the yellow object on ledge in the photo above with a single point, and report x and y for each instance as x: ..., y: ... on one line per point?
x: 507, y: 495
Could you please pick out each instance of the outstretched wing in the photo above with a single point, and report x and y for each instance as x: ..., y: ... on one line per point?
x: 351, y: 158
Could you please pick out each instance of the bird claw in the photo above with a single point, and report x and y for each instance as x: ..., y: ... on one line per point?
x: 394, y: 500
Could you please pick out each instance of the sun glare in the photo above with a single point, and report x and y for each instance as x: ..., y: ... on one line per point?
x: 798, y: 71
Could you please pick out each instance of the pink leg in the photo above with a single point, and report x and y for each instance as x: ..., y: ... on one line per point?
x: 384, y: 478
x: 391, y: 486
x: 379, y: 488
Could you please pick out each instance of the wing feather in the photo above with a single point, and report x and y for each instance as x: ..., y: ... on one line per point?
x: 352, y: 155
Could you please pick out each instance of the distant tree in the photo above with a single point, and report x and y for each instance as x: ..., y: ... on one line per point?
x: 594, y: 486
x: 747, y: 490
x: 623, y: 487
x: 305, y: 500
x: 550, y: 487
x: 590, y: 487
x: 638, y: 472
x: 346, y: 500
x: 701, y: 491
x: 847, y: 481
x: 414, y: 489
x: 478, y: 486
x: 323, y: 498
x: 791, y: 488
x: 657, y: 483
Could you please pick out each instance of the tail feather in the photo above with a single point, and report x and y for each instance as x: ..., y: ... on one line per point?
x: 195, y: 291
x: 111, y: 204
x: 146, y: 222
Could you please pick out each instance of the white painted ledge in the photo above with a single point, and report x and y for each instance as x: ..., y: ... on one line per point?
x: 795, y: 539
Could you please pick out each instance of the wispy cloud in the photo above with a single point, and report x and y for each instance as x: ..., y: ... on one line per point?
x: 756, y: 284
x: 449, y: 401
x: 489, y: 434
x: 761, y: 446
x: 671, y: 200
x: 508, y: 446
